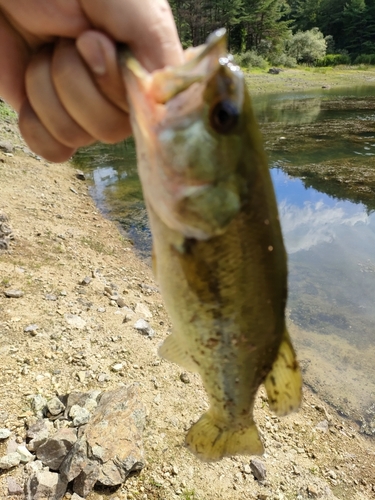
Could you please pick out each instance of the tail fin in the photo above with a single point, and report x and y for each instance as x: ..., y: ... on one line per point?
x: 212, y: 440
x: 284, y: 382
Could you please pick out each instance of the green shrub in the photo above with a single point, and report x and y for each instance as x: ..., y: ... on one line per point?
x: 283, y: 60
x: 365, y: 59
x: 333, y: 60
x: 250, y: 59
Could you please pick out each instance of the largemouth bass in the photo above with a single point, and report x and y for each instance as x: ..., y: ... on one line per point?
x: 218, y: 252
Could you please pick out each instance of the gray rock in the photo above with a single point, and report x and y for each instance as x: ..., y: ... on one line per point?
x: 9, y: 461
x: 14, y: 489
x: 76, y: 497
x: 25, y: 455
x: 55, y: 406
x: 184, y: 377
x: 38, y: 434
x: 79, y: 415
x: 80, y: 175
x: 13, y: 294
x: 51, y: 296
x: 86, y: 281
x: 86, y: 480
x: 33, y: 467
x: 111, y: 445
x: 103, y: 377
x: 6, y: 146
x: 45, y: 485
x: 143, y: 310
x: 143, y: 326
x: 54, y: 450
x: 31, y: 328
x: 39, y: 404
x: 4, y: 433
x: 322, y: 426
x: 117, y: 367
x: 258, y: 469
x: 75, y: 321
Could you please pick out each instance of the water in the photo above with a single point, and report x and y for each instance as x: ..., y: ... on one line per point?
x: 316, y: 142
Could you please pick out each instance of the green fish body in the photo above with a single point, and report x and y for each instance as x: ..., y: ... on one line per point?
x: 218, y: 251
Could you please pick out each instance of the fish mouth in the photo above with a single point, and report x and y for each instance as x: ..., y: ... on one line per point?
x: 201, y: 63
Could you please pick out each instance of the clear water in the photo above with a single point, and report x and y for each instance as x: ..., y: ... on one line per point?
x: 329, y: 234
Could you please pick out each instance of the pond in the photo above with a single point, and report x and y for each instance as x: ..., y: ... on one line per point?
x: 321, y: 146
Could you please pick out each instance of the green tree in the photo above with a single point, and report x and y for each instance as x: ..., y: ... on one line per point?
x: 307, y: 46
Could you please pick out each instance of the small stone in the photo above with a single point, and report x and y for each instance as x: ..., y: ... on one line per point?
x: 143, y: 310
x: 31, y: 328
x: 9, y: 461
x: 79, y: 415
x: 4, y: 434
x: 322, y: 426
x: 86, y: 281
x: 80, y: 175
x: 13, y: 294
x: 6, y: 146
x: 51, y: 296
x: 25, y: 455
x: 73, y: 190
x: 81, y: 376
x: 246, y: 469
x: 258, y: 469
x: 76, y: 497
x: 101, y: 309
x: 75, y: 321
x: 103, y: 377
x: 184, y: 377
x: 143, y: 326
x: 13, y: 487
x: 55, y: 406
x: 86, y: 480
x: 39, y: 404
x: 332, y: 474
x: 312, y: 491
x: 33, y: 467
x: 121, y: 302
x: 117, y: 367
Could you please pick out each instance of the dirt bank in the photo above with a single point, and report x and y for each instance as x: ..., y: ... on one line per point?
x: 59, y: 238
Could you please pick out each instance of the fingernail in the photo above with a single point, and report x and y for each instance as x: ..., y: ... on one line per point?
x: 94, y: 56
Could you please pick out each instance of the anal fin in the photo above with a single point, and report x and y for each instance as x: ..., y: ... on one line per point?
x: 174, y: 351
x: 284, y: 382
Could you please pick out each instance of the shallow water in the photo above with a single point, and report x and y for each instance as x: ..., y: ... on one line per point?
x: 329, y: 230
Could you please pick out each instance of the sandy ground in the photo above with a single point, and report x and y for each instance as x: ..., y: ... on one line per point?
x: 59, y: 239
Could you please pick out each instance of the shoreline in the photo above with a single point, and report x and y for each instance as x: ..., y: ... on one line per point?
x: 301, y: 79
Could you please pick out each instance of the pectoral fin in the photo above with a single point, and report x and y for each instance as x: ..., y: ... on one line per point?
x: 174, y: 350
x: 284, y: 382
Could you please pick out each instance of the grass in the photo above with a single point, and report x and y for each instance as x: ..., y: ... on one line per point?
x: 6, y: 112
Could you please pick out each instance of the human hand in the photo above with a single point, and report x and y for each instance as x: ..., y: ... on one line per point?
x: 62, y: 103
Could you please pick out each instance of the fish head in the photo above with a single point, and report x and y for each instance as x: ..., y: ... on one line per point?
x: 190, y: 124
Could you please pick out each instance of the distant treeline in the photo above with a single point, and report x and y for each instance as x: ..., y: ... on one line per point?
x: 266, y: 27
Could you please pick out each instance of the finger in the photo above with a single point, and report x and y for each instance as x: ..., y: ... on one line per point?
x: 82, y: 99
x: 99, y: 53
x: 14, y: 56
x: 45, y: 18
x: 146, y: 25
x: 39, y: 139
x: 46, y: 104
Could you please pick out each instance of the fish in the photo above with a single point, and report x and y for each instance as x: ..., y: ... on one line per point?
x: 218, y: 251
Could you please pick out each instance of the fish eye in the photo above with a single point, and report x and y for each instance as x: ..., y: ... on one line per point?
x: 224, y: 117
